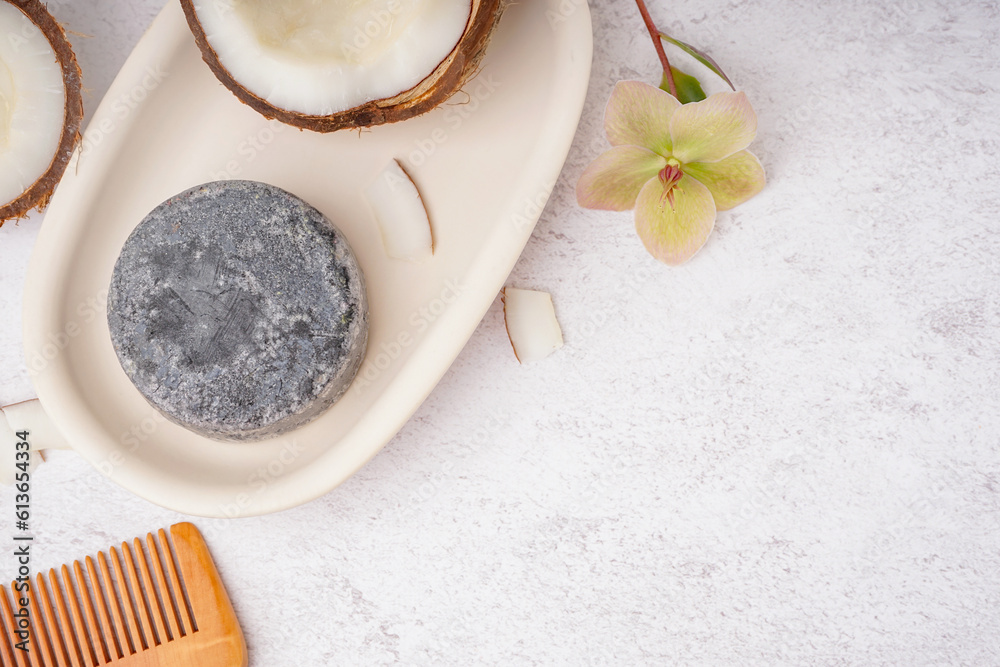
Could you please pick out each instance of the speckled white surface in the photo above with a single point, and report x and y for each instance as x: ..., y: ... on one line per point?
x: 784, y: 452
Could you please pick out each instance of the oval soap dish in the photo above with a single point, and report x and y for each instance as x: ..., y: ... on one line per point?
x: 485, y: 163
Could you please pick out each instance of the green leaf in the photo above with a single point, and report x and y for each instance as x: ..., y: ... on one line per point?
x: 700, y: 56
x: 688, y: 88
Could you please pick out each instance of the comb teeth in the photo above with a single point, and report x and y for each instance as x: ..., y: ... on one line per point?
x: 128, y: 601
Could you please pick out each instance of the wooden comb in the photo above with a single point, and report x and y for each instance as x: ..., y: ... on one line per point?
x: 155, y: 607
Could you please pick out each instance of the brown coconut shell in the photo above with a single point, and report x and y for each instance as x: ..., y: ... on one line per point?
x: 447, y: 78
x: 37, y: 196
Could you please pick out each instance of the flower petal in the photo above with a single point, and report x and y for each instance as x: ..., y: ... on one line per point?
x: 672, y: 234
x: 613, y: 180
x: 731, y: 181
x: 714, y: 128
x: 639, y: 114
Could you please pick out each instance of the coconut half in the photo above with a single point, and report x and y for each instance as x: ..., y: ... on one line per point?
x: 41, y: 106
x: 326, y: 65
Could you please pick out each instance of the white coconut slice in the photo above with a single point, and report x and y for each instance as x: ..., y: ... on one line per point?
x: 532, y: 327
x: 40, y: 106
x: 401, y: 215
x: 8, y: 454
x: 30, y: 416
x: 326, y: 65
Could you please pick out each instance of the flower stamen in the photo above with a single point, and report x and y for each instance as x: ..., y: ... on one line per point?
x: 670, y: 176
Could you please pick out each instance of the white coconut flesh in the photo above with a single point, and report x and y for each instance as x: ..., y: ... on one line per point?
x: 320, y: 57
x: 531, y: 323
x: 32, y: 108
x: 400, y: 213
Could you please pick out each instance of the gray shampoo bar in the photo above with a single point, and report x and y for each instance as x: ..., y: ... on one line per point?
x: 238, y: 310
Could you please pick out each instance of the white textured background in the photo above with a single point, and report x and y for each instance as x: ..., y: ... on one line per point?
x: 783, y: 453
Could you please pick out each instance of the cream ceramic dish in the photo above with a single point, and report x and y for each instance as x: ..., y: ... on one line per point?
x: 484, y: 162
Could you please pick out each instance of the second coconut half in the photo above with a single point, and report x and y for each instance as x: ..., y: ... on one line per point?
x: 337, y: 64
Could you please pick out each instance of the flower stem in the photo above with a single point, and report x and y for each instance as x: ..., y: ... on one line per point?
x: 658, y: 45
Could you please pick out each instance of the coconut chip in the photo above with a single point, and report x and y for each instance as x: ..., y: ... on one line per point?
x: 401, y: 215
x: 532, y: 327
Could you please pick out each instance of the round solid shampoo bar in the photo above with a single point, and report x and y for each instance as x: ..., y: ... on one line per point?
x: 238, y: 310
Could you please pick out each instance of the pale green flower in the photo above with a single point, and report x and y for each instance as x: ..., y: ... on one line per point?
x: 675, y: 164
